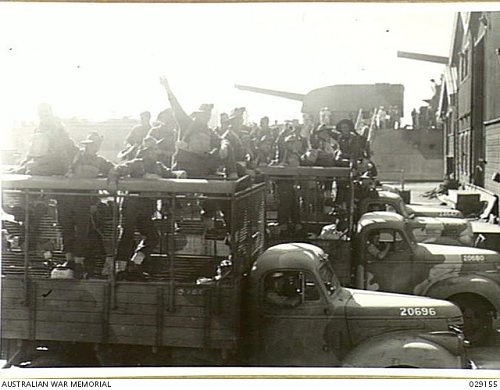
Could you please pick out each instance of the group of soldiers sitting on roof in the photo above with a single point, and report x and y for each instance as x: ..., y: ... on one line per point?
x: 178, y: 145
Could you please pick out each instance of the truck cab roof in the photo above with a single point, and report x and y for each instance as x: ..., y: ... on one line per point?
x: 293, y: 255
x: 383, y: 219
x: 206, y: 186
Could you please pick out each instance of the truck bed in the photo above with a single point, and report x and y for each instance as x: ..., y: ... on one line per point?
x: 163, y: 314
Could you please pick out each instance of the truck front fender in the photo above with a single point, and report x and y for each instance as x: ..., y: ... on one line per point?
x: 470, y: 284
x: 403, y: 349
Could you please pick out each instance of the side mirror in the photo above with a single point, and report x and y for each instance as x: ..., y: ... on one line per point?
x: 478, y: 242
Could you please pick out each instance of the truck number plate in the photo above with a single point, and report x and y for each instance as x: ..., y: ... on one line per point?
x: 190, y: 291
x: 417, y: 311
x: 472, y: 258
x: 447, y: 214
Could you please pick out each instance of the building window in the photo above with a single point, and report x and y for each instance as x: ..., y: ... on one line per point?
x: 464, y: 64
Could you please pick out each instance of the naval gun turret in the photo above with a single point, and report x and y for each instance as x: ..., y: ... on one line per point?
x: 343, y: 100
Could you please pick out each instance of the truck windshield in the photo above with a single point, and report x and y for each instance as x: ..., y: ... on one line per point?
x: 328, y: 278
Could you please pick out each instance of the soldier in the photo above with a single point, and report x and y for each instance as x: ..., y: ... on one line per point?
x: 288, y: 207
x: 263, y: 129
x: 50, y: 152
x: 165, y: 130
x: 264, y: 151
x: 365, y: 165
x: 381, y: 118
x: 307, y: 127
x: 243, y: 132
x: 137, y: 212
x: 199, y: 151
x: 478, y: 179
x: 51, y: 149
x: 281, y: 291
x: 375, y: 248
x: 353, y: 146
x: 74, y: 211
x: 414, y: 119
x: 135, y: 137
x: 224, y: 124
x: 325, y: 117
x: 327, y: 147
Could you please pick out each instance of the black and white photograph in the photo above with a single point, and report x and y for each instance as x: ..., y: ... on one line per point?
x: 285, y: 189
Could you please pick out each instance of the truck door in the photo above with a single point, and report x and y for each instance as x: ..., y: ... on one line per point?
x: 387, y: 257
x: 295, y: 317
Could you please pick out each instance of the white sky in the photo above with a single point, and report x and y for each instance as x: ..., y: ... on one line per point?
x: 103, y: 60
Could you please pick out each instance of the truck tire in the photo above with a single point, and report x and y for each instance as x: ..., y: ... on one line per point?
x: 478, y: 317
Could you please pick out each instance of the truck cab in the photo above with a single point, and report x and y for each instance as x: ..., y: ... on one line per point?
x: 389, y: 258
x: 301, y: 315
x: 437, y: 224
x: 430, y: 230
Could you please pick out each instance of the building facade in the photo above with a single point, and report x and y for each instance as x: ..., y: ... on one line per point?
x: 470, y: 98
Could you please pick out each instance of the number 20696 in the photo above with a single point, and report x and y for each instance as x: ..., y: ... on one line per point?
x: 417, y: 311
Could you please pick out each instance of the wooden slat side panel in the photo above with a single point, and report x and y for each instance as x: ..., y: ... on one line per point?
x: 70, y: 306
x: 12, y: 291
x: 147, y: 298
x: 133, y: 309
x: 13, y: 302
x: 131, y: 319
x: 78, y: 291
x: 14, y: 329
x: 69, y: 317
x: 81, y: 301
x: 68, y: 331
x: 132, y: 334
x: 15, y: 314
x: 74, y: 311
x: 195, y: 338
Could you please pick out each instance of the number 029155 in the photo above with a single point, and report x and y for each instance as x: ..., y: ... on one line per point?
x: 483, y: 383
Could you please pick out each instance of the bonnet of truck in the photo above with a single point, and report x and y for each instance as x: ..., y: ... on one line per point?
x: 442, y: 230
x: 432, y: 211
x: 458, y: 260
x: 370, y: 313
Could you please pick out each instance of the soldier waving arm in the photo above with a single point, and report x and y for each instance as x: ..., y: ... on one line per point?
x: 183, y: 119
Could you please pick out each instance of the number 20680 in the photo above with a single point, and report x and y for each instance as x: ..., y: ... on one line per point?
x: 417, y: 311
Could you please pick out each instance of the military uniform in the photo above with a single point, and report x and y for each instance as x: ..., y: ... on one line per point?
x: 74, y: 211
x: 136, y: 211
x: 50, y: 153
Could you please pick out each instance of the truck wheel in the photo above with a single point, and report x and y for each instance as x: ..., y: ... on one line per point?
x: 478, y: 318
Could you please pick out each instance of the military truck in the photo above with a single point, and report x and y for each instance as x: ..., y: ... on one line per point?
x: 430, y: 230
x: 385, y: 256
x: 454, y: 227
x: 432, y: 224
x: 465, y: 275
x: 211, y: 301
